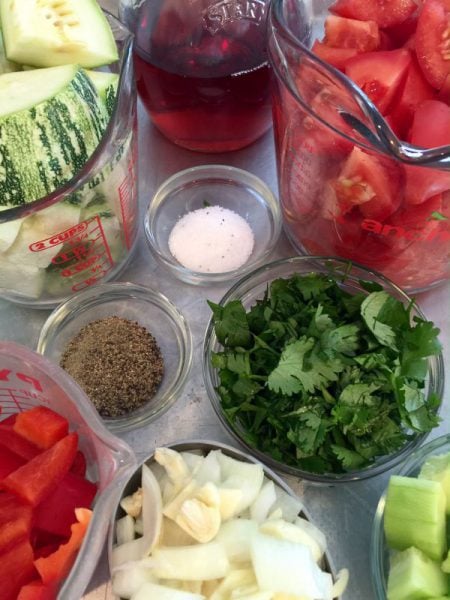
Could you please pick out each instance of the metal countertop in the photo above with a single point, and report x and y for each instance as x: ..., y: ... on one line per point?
x: 344, y: 512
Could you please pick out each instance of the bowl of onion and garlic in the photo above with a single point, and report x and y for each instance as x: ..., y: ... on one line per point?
x: 202, y: 520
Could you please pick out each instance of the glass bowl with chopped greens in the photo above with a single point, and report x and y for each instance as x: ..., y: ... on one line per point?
x: 395, y: 570
x: 323, y: 369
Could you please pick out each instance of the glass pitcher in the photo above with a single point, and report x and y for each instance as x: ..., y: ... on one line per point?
x: 201, y: 69
x: 348, y: 186
x: 85, y: 231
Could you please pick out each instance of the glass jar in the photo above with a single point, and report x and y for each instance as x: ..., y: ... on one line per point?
x: 348, y: 186
x: 201, y: 69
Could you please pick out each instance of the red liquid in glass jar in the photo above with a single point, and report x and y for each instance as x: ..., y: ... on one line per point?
x: 209, y: 95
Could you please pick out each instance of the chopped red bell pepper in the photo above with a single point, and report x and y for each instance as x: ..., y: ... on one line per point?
x: 9, y: 462
x: 9, y: 420
x: 36, y: 479
x: 56, y: 566
x: 16, y: 569
x: 16, y: 443
x: 15, y: 521
x: 79, y: 464
x: 41, y: 426
x: 56, y: 513
x: 36, y: 590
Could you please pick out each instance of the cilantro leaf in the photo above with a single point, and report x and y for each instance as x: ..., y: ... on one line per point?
x: 288, y: 377
x: 230, y: 323
x: 371, y: 310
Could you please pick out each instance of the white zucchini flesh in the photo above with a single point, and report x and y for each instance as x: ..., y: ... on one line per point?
x: 49, y: 33
x: 23, y: 89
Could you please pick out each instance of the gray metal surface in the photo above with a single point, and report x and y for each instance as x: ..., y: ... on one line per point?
x: 345, y: 511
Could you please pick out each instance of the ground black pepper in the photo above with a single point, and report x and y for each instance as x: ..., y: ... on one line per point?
x: 117, y: 362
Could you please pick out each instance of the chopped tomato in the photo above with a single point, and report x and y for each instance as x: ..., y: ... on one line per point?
x: 402, y: 32
x: 380, y: 75
x: 350, y: 33
x: 37, y: 478
x: 369, y: 184
x: 433, y: 41
x: 416, y: 90
x: 444, y: 93
x: 336, y: 57
x: 385, y: 41
x: 385, y: 12
x: 56, y: 566
x: 41, y: 426
x: 431, y: 128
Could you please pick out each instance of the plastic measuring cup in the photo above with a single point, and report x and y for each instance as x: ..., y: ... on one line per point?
x: 28, y: 379
x: 85, y: 231
x: 328, y: 133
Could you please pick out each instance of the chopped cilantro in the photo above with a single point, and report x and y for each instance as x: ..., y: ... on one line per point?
x: 321, y: 379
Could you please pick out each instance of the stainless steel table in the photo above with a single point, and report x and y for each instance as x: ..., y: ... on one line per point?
x: 345, y: 511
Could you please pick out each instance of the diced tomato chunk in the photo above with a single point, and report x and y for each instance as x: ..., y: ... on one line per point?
x: 16, y: 443
x: 402, y: 32
x: 385, y: 12
x: 56, y: 513
x: 336, y: 57
x: 380, y: 75
x: 56, y: 566
x: 9, y: 420
x: 36, y: 479
x: 367, y: 183
x: 16, y: 569
x: 36, y: 590
x: 350, y: 33
x: 433, y: 41
x: 9, y: 462
x: 41, y: 426
x: 416, y: 90
x: 431, y: 128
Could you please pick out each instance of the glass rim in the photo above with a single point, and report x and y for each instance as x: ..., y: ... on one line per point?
x: 210, y: 343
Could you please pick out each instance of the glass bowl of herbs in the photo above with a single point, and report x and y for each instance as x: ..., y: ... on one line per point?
x: 323, y: 369
x: 126, y: 345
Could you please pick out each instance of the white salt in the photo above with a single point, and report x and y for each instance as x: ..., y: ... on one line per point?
x: 211, y: 240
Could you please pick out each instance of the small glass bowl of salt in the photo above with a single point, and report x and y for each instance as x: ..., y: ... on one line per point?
x: 212, y: 223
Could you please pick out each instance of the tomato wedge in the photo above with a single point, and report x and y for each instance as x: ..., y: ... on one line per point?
x: 384, y: 12
x: 340, y: 32
x: 380, y: 75
x: 370, y: 184
x: 433, y: 41
x: 336, y: 57
x: 416, y: 90
x: 431, y: 128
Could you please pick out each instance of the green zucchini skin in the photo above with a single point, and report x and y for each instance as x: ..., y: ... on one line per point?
x: 44, y: 146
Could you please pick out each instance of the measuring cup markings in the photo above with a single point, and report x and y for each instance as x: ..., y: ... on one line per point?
x: 127, y: 198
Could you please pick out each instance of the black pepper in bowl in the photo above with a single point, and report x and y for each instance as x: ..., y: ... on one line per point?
x: 117, y: 362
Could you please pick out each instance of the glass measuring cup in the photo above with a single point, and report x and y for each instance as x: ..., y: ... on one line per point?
x: 201, y: 69
x: 328, y: 134
x: 28, y: 379
x: 84, y: 232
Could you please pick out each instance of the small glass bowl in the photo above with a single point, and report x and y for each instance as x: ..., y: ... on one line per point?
x: 379, y: 552
x: 225, y: 186
x: 349, y: 275
x: 151, y: 310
